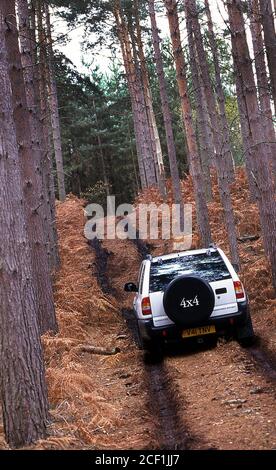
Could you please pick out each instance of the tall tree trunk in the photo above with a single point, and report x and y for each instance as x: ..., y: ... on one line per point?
x: 54, y: 109
x: 156, y: 145
x: 177, y: 194
x: 27, y: 44
x: 42, y: 74
x: 37, y: 34
x: 260, y: 163
x: 221, y: 157
x: 267, y: 19
x: 134, y: 105
x: 105, y: 178
x: 138, y: 97
x: 206, y: 149
x: 247, y: 138
x: 22, y: 376
x: 150, y: 155
x: 194, y: 161
x: 263, y: 83
x: 137, y: 186
x: 31, y: 180
x: 226, y: 150
x: 220, y: 139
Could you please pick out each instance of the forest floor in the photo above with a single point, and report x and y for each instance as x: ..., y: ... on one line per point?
x: 103, y: 393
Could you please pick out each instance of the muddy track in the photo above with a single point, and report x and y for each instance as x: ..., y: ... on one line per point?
x: 101, y: 265
x: 170, y: 431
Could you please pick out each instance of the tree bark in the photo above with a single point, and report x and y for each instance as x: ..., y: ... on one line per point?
x: 134, y: 105
x: 220, y: 139
x: 267, y: 19
x: 54, y: 110
x: 43, y: 92
x: 263, y: 83
x: 205, y: 145
x: 135, y: 88
x: 27, y: 43
x: 247, y: 140
x: 156, y: 145
x: 150, y: 155
x: 194, y: 161
x: 222, y: 158
x: 226, y: 150
x: 167, y: 117
x: 31, y: 178
x: 22, y: 376
x: 137, y: 185
x: 260, y: 162
x: 100, y: 146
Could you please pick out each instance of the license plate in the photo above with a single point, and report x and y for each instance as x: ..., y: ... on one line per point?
x: 202, y: 330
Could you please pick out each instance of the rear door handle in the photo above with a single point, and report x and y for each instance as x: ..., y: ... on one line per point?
x: 222, y: 290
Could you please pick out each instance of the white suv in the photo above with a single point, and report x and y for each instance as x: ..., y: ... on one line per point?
x: 190, y: 294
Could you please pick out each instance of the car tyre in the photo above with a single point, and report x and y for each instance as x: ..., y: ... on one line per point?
x: 245, y: 334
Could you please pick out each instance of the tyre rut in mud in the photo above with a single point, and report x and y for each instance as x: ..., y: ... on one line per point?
x: 101, y: 265
x: 172, y: 434
x: 169, y: 430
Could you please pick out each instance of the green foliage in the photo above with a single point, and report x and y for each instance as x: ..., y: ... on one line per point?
x: 96, y: 194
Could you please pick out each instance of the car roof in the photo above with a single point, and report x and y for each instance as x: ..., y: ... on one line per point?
x: 184, y: 253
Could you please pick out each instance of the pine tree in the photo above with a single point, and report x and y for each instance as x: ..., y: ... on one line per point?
x: 205, y: 137
x: 54, y: 109
x: 41, y: 82
x: 267, y: 19
x: 222, y: 158
x: 22, y: 376
x: 218, y: 123
x: 167, y: 117
x: 155, y: 140
x: 28, y: 58
x: 260, y: 161
x: 194, y: 161
x: 31, y: 177
x: 146, y: 163
x: 263, y: 83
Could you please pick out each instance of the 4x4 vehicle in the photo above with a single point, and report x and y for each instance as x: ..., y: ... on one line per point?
x: 190, y: 294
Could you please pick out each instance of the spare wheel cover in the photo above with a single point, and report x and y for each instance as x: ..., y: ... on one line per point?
x: 189, y: 300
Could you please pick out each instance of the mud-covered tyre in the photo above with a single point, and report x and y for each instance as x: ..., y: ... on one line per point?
x: 151, y: 346
x: 141, y: 343
x: 189, y: 301
x: 245, y: 334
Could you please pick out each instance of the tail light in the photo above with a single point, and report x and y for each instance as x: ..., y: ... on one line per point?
x: 146, y: 307
x: 239, y: 290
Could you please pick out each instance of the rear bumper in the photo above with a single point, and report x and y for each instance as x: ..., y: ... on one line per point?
x: 173, y: 332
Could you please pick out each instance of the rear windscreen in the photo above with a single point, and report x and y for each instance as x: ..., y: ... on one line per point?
x: 209, y: 267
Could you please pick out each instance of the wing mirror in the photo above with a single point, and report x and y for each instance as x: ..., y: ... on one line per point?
x: 131, y: 287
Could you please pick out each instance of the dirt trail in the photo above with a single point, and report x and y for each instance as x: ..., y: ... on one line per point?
x: 223, y: 398
x: 201, y: 399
